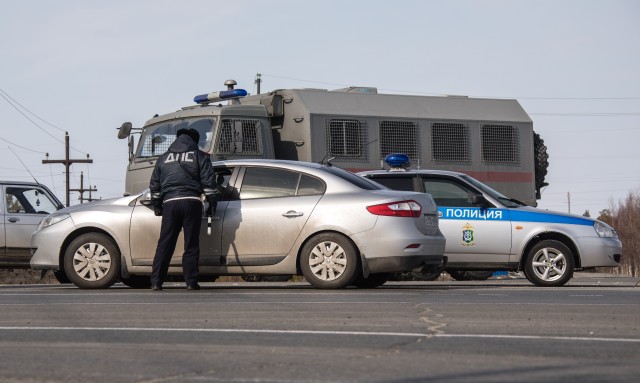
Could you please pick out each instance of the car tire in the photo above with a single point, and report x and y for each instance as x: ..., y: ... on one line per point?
x: 372, y: 281
x: 137, y: 281
x: 92, y: 261
x: 549, y: 264
x: 61, y: 277
x: 329, y: 261
x: 467, y: 275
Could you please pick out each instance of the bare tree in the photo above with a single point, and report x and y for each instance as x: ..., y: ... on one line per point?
x: 624, y: 219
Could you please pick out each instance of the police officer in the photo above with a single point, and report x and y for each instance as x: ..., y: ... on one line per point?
x: 180, y: 177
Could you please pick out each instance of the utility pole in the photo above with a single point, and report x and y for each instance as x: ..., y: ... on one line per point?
x: 82, y: 189
x: 258, y: 82
x: 66, y: 162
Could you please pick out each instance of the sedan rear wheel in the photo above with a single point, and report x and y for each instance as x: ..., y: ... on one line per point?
x: 92, y: 261
x: 329, y: 261
x: 549, y: 263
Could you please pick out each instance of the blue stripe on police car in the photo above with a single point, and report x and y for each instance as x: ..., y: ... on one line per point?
x: 471, y: 214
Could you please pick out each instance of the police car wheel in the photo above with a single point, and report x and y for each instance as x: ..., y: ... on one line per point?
x: 92, y: 261
x: 549, y: 263
x: 329, y: 261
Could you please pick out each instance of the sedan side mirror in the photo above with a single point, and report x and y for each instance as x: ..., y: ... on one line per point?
x: 145, y: 198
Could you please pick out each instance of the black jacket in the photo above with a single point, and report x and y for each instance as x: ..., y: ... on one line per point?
x: 183, y: 171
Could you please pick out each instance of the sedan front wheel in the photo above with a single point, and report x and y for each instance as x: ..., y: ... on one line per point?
x: 92, y: 261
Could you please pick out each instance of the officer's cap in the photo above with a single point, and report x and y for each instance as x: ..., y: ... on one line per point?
x: 189, y: 132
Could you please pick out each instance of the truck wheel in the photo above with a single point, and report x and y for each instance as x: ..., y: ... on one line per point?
x: 549, y: 263
x: 329, y: 261
x: 92, y: 261
x: 372, y: 281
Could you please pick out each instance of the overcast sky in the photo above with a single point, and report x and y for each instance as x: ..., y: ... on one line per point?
x: 87, y: 66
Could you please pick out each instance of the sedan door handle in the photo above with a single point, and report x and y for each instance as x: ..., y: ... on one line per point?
x: 292, y: 214
x: 13, y: 219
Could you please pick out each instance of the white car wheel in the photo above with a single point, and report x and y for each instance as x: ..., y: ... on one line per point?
x: 329, y: 261
x: 549, y: 263
x: 92, y: 261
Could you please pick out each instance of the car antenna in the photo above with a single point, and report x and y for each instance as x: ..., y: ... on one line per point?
x: 25, y: 166
x: 326, y: 160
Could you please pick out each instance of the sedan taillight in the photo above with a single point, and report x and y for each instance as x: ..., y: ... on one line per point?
x: 397, y: 209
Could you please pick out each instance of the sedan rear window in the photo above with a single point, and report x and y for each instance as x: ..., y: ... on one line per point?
x: 360, y: 182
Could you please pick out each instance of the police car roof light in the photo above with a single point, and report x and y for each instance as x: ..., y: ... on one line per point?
x: 397, y: 160
x: 219, y: 96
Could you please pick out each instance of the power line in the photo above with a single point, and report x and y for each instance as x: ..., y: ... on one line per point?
x: 444, y: 94
x: 30, y: 112
x: 21, y: 147
x: 592, y: 114
x: 6, y: 97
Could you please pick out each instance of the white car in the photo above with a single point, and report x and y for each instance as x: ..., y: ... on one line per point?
x: 487, y: 231
x: 22, y: 207
x: 275, y: 217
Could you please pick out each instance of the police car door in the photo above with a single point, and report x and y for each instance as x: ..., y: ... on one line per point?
x: 474, y: 234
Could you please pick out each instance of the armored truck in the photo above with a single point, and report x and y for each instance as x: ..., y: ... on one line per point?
x: 355, y: 128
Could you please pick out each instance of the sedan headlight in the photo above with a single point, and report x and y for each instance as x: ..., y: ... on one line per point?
x: 604, y: 230
x: 52, y: 219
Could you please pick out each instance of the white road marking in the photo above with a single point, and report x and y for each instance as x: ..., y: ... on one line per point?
x: 537, y: 337
x: 312, y: 332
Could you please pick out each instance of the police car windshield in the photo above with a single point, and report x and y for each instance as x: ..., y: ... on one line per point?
x: 506, y: 201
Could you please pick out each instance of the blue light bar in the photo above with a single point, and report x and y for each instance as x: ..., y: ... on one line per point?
x: 219, y: 96
x: 397, y: 160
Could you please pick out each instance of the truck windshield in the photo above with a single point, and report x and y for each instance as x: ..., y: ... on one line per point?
x: 156, y: 139
x: 506, y: 201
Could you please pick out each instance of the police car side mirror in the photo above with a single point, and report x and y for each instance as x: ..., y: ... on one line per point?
x: 480, y: 200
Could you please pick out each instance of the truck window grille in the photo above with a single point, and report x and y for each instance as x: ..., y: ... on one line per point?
x: 399, y: 137
x: 346, y: 139
x: 500, y: 144
x: 450, y: 142
x: 239, y: 136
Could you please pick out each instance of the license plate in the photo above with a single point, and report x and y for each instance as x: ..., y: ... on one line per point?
x: 431, y: 220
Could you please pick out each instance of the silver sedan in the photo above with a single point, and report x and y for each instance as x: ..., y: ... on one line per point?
x: 274, y: 217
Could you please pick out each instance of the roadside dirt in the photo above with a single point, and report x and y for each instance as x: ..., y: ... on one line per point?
x: 25, y: 277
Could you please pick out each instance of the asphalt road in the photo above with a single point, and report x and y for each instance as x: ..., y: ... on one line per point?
x: 494, y: 331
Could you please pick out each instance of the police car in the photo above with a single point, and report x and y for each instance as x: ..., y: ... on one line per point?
x: 486, y: 230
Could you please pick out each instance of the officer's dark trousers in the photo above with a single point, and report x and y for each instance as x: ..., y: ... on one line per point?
x: 185, y: 214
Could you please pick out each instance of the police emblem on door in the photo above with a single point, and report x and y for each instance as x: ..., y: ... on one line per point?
x: 467, y: 235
